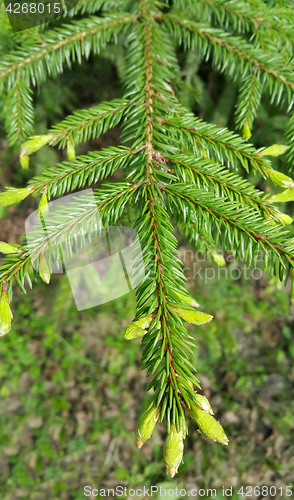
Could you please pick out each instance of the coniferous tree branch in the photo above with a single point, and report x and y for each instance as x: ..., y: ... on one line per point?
x: 231, y: 216
x: 174, y: 165
x: 91, y: 6
x: 111, y: 201
x: 248, y: 103
x: 19, y: 112
x: 208, y: 139
x: 163, y: 351
x: 235, y: 56
x: 79, y: 127
x: 65, y: 44
x: 89, y: 123
x: 85, y: 7
x: 202, y: 240
x: 207, y: 174
x: 257, y: 18
x: 241, y: 17
x: 69, y: 175
x: 166, y: 346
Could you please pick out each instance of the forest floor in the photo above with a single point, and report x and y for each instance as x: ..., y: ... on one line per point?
x: 72, y: 391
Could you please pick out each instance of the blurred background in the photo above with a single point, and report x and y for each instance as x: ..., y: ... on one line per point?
x: 71, y: 386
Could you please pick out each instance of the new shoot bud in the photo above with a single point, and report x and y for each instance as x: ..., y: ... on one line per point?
x: 279, y: 178
x: 209, y: 426
x: 287, y: 195
x: 246, y: 130
x: 147, y: 425
x: 44, y: 270
x: 13, y: 195
x: 194, y: 317
x: 218, y: 258
x: 6, y: 248
x: 274, y: 150
x: 188, y: 299
x: 138, y: 328
x: 203, y: 403
x: 24, y: 161
x: 71, y: 154
x: 173, y: 450
x: 43, y: 205
x: 5, y: 312
x: 34, y: 144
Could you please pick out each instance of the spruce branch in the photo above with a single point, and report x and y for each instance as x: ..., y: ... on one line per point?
x: 202, y: 240
x: 252, y: 17
x: 19, y: 112
x: 66, y: 224
x: 92, y: 6
x: 248, y: 104
x: 240, y: 16
x: 66, y: 44
x: 207, y: 174
x: 69, y: 175
x: 208, y: 139
x: 89, y: 123
x: 235, y: 56
x: 232, y: 217
x: 166, y: 338
x: 175, y: 167
x: 164, y: 346
x: 84, y: 7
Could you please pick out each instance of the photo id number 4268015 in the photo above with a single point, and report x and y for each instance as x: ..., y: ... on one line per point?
x: 33, y: 8
x: 272, y: 491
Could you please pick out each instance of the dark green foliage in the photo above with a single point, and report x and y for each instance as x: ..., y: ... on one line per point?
x: 176, y: 167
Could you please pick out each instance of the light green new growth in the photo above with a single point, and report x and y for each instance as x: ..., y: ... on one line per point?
x: 147, y: 425
x: 44, y: 270
x: 175, y: 166
x: 209, y: 426
x: 7, y: 248
x: 194, y: 317
x: 173, y: 450
x: 5, y: 312
x: 13, y: 195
